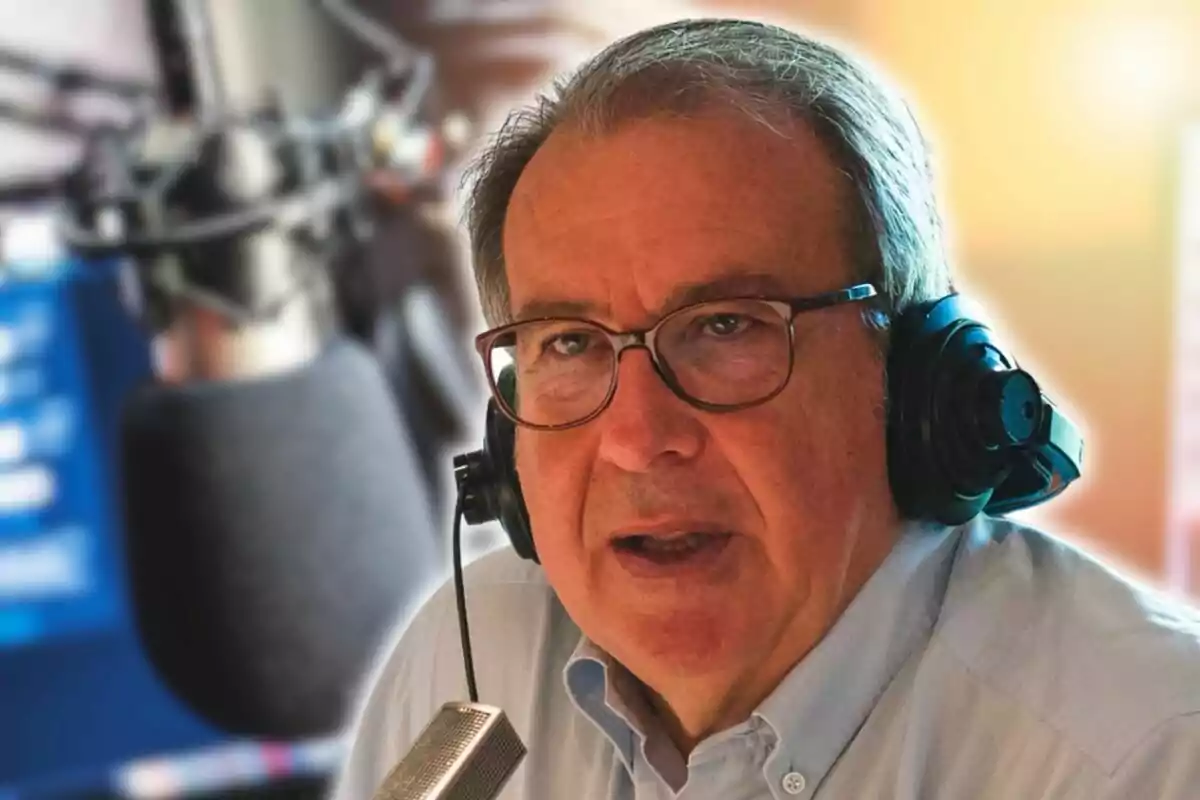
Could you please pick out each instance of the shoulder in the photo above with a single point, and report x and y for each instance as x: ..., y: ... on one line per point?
x: 1107, y: 662
x: 520, y: 637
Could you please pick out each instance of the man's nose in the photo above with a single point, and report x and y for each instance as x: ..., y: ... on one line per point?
x: 646, y: 423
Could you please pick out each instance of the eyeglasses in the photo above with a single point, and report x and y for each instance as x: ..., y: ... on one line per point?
x: 720, y: 355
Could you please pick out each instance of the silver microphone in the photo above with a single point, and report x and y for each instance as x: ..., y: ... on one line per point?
x: 467, y: 752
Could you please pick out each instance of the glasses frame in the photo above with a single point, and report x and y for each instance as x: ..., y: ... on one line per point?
x: 645, y: 338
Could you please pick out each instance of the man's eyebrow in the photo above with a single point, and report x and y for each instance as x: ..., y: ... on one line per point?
x: 537, y: 309
x: 742, y: 284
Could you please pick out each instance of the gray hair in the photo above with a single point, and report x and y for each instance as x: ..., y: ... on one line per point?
x: 682, y: 67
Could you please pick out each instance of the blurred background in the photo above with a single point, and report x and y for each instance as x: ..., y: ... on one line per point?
x: 1067, y: 142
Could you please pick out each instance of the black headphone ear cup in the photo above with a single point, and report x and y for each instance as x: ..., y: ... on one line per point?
x: 506, y: 499
x: 935, y: 470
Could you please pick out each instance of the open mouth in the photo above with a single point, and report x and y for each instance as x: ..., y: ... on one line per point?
x: 673, y: 549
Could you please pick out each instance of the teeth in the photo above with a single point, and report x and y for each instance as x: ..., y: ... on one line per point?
x: 681, y: 541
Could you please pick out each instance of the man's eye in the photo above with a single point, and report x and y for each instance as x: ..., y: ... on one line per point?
x: 723, y: 325
x: 567, y: 344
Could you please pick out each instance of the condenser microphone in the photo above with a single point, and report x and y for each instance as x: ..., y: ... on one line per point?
x: 276, y: 516
x: 467, y: 752
x: 276, y: 511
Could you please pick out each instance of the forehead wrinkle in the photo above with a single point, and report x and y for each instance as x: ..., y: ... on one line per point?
x: 577, y: 214
x: 768, y: 268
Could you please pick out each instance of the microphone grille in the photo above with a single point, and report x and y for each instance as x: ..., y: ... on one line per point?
x: 467, y: 752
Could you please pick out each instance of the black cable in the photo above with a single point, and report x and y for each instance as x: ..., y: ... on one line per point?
x: 72, y: 77
x: 461, y: 594
x: 288, y: 212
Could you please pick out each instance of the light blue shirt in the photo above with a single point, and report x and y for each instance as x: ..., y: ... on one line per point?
x: 985, y: 661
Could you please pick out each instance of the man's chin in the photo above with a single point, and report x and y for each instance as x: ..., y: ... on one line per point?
x: 686, y: 643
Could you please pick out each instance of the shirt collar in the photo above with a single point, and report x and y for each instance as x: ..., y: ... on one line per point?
x: 822, y: 702
x: 591, y: 680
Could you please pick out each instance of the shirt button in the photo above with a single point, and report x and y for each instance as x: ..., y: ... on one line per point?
x: 793, y: 783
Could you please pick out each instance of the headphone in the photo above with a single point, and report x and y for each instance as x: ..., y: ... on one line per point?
x: 968, y: 432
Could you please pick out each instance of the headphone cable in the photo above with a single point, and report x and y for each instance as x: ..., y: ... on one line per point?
x: 461, y: 595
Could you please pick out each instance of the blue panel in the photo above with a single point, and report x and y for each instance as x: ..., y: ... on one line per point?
x: 78, y: 700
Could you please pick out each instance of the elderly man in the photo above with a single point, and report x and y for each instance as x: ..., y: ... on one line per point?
x: 730, y: 601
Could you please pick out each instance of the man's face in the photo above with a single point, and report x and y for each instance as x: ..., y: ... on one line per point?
x: 619, y: 225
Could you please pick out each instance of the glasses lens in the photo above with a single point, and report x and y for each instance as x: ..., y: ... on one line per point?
x: 563, y: 370
x: 727, y: 352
